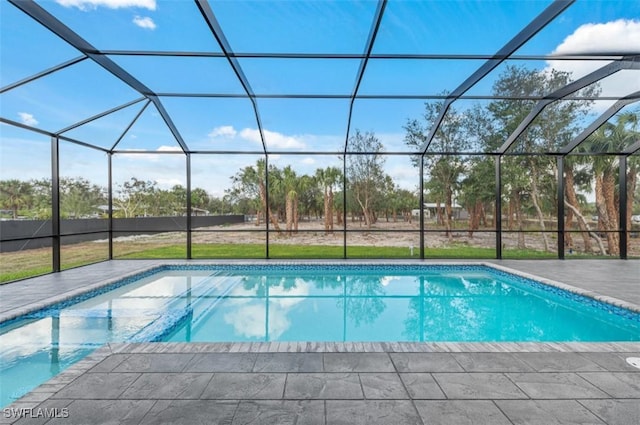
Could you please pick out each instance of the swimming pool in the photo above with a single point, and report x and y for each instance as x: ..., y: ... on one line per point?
x: 302, y: 303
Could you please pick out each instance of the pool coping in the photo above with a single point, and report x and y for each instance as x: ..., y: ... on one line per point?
x: 30, y: 308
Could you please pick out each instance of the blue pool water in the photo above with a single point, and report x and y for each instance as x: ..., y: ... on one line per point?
x: 302, y: 303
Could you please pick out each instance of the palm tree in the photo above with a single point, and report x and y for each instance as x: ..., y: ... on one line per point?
x: 576, y: 175
x: 610, y: 137
x: 15, y: 194
x: 289, y: 181
x: 328, y: 178
x: 250, y: 182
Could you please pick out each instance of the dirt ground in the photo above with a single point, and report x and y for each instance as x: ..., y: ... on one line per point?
x: 383, y: 233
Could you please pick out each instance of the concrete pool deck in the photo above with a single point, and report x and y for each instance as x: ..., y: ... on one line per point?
x: 333, y: 383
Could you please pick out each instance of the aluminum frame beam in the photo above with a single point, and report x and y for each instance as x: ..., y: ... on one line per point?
x: 100, y: 115
x: 126, y: 130
x: 44, y: 18
x: 603, y: 118
x: 51, y: 134
x: 216, y: 30
x: 609, y: 56
x: 371, y: 39
x: 632, y: 149
x: 44, y: 73
x: 542, y: 20
x: 368, y: 96
x: 587, y: 80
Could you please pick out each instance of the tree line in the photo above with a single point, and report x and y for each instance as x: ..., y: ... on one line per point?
x: 529, y: 173
x: 529, y: 170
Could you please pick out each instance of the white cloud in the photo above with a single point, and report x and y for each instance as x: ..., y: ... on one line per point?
x: 621, y: 36
x: 111, y: 4
x: 144, y: 22
x: 223, y: 131
x: 151, y: 156
x: 27, y: 119
x: 168, y: 183
x: 308, y: 161
x: 248, y: 319
x: 169, y: 149
x: 272, y: 138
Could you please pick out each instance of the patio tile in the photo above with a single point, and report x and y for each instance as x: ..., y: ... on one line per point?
x: 558, y: 362
x: 357, y: 362
x: 109, y: 363
x: 615, y: 411
x: 382, y: 386
x: 97, y: 386
x: 190, y: 412
x: 289, y: 362
x: 491, y: 362
x: 422, y: 386
x: 323, y: 386
x: 425, y: 362
x: 547, y: 412
x: 154, y: 363
x: 58, y: 407
x: 306, y: 412
x: 458, y: 412
x: 221, y: 362
x: 477, y: 386
x: 613, y: 362
x: 238, y: 386
x: 616, y: 384
x: 555, y: 386
x: 122, y: 412
x: 167, y: 386
x: 82, y: 412
x: 372, y: 412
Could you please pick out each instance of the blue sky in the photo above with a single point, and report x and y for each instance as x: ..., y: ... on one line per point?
x: 412, y: 27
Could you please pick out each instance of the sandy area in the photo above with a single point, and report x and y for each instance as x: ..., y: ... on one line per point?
x: 382, y: 234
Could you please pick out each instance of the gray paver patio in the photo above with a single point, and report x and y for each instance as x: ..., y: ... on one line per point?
x: 568, y: 395
x: 335, y: 383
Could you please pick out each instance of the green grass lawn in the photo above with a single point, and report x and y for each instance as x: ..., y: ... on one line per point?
x: 37, y: 263
x: 204, y: 251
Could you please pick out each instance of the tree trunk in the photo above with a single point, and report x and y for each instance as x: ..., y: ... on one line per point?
x: 365, y: 210
x: 572, y: 199
x: 289, y: 213
x: 604, y: 221
x: 510, y: 213
x: 326, y: 210
x: 295, y: 213
x: 448, y: 213
x: 588, y: 230
x: 536, y: 204
x: 609, y: 192
x: 632, y: 180
x: 519, y: 221
x: 263, y: 198
x: 475, y: 214
x: 330, y: 209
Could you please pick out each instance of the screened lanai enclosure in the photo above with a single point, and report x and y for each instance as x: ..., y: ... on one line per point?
x: 317, y: 129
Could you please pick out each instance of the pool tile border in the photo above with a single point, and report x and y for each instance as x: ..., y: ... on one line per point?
x: 62, y: 300
x: 568, y: 288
